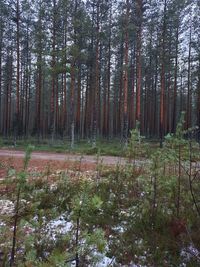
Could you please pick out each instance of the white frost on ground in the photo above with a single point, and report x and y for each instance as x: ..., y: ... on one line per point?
x: 190, y: 252
x: 2, y: 224
x: 136, y: 265
x: 105, y: 261
x: 119, y: 229
x: 6, y: 207
x: 73, y: 263
x: 59, y: 226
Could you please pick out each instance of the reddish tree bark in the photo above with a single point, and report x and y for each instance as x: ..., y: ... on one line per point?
x: 132, y: 96
x: 125, y: 75
x: 198, y: 99
x: 189, y: 97
x: 7, y: 93
x: 162, y: 92
x: 72, y: 99
x: 1, y: 42
x: 17, y: 109
x: 139, y: 5
x: 96, y: 99
x: 53, y: 76
x: 175, y: 84
x: 78, y: 105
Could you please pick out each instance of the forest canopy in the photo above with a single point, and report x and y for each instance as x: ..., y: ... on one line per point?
x: 88, y: 69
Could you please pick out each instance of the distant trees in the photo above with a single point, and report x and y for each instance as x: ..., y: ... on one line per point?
x: 2, y: 30
x: 89, y: 69
x: 125, y: 74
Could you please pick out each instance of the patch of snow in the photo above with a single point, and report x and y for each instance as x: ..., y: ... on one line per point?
x: 53, y: 186
x: 104, y: 261
x: 142, y: 194
x: 6, y: 207
x: 119, y: 229
x: 136, y: 265
x: 59, y: 226
x: 2, y: 224
x: 190, y: 252
x: 73, y: 263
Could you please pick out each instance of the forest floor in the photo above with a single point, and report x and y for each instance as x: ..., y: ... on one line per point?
x: 43, y: 161
x: 113, y: 198
x: 107, y: 160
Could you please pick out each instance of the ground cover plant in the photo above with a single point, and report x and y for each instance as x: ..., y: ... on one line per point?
x: 146, y: 214
x: 102, y: 147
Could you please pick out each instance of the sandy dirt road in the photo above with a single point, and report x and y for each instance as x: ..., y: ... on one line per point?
x: 106, y: 160
x: 42, y: 161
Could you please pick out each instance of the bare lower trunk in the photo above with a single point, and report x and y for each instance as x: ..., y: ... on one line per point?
x: 125, y: 78
x: 12, y: 257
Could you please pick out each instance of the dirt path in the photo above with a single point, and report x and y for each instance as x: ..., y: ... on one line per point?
x: 51, y: 162
x: 106, y: 160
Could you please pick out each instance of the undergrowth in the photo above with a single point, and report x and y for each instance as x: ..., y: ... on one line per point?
x: 104, y: 147
x: 145, y: 214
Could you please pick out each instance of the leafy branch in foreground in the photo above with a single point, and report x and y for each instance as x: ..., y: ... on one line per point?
x: 21, y: 183
x: 135, y: 146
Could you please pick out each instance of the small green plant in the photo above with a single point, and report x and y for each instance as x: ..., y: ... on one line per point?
x: 135, y: 146
x: 21, y: 184
x: 84, y: 206
x: 131, y: 214
x: 177, y: 151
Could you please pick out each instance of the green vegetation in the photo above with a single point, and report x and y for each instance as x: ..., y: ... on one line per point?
x: 147, y: 215
x: 103, y: 147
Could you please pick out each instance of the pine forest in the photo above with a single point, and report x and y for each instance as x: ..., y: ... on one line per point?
x: 91, y: 69
x: 99, y: 133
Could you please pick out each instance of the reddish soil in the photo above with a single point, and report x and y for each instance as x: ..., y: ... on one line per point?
x: 47, y: 161
x: 107, y: 160
x: 42, y: 165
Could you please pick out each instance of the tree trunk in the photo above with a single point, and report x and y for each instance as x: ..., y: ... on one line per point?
x: 198, y: 100
x: 38, y: 98
x: 132, y: 97
x: 78, y: 106
x: 175, y: 84
x: 189, y: 97
x: 53, y: 78
x: 72, y: 94
x: 125, y: 76
x: 139, y: 5
x: 86, y: 113
x: 96, y: 112
x: 1, y: 41
x: 17, y: 110
x: 108, y: 78
x: 161, y: 128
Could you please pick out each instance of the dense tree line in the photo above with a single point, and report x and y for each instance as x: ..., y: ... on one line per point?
x: 84, y: 69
